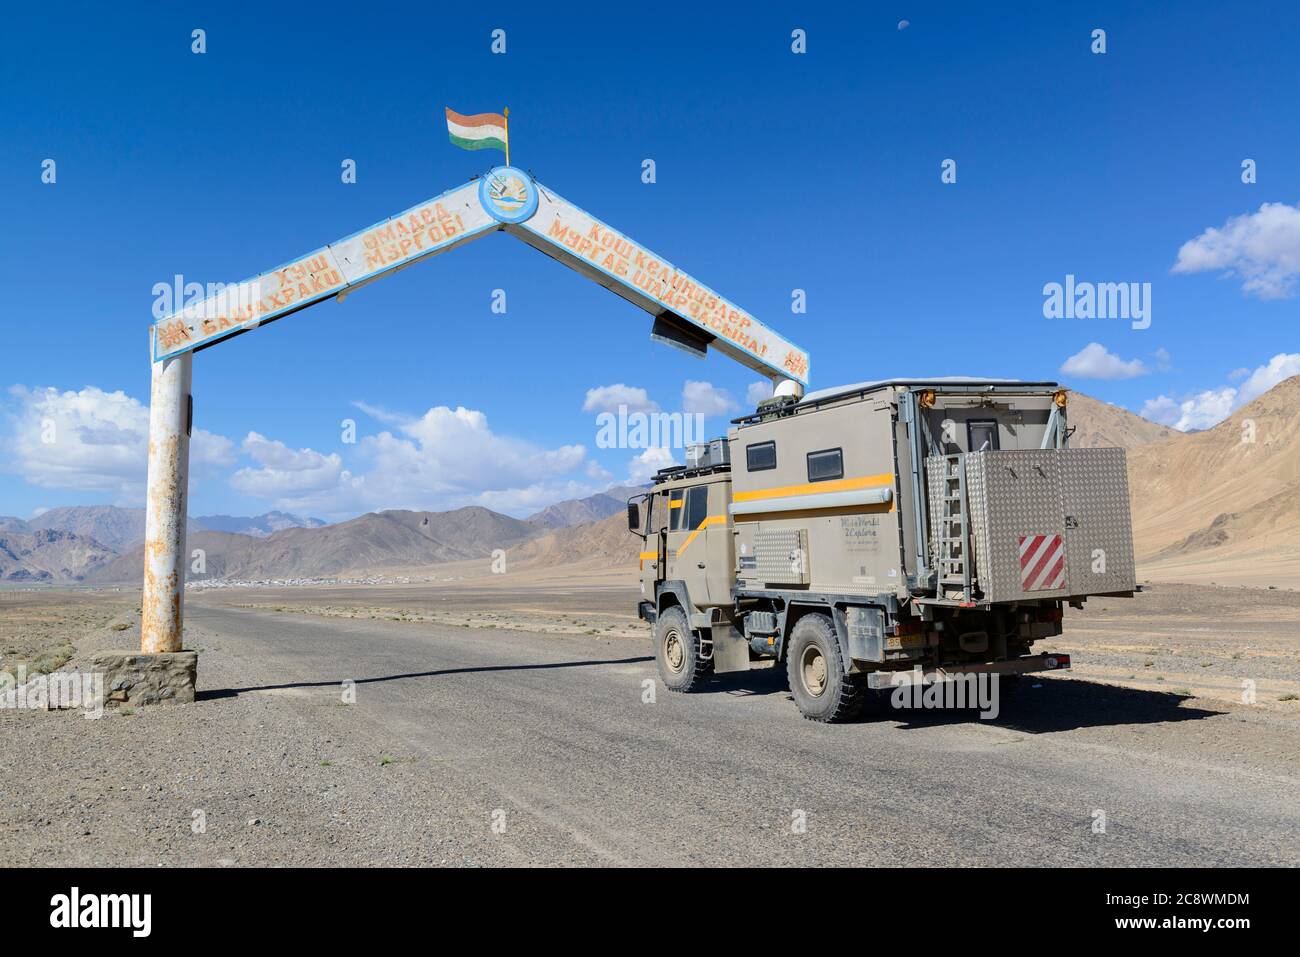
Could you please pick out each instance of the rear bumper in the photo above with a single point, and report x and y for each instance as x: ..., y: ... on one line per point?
x: 645, y: 610
x: 1015, y: 666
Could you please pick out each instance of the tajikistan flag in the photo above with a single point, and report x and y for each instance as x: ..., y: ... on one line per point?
x: 482, y: 131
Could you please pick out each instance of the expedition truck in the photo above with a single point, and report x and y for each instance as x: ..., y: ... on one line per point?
x: 879, y: 528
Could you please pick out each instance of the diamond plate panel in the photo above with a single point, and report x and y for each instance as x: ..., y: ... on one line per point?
x: 1013, y: 493
x: 1098, y: 526
x: 934, y: 487
x: 1080, y: 494
x: 977, y: 501
x: 781, y: 556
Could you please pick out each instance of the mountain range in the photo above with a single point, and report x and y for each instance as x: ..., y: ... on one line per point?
x: 583, y: 510
x: 1220, y: 505
x: 49, y: 555
x: 68, y: 544
x: 104, y: 544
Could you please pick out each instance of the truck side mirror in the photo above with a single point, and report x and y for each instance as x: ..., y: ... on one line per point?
x: 633, y: 517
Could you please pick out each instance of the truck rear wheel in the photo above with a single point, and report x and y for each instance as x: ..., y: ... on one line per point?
x: 821, y: 689
x: 677, y: 652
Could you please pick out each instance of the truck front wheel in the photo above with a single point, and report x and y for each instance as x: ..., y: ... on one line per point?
x: 821, y: 689
x: 677, y: 652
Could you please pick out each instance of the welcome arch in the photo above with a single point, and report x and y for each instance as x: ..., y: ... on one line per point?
x: 687, y: 314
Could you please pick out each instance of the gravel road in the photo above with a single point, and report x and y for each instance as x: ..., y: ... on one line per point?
x: 476, y: 746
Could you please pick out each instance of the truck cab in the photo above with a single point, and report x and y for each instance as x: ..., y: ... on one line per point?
x: 688, y: 523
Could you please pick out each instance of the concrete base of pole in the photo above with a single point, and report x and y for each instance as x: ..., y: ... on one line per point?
x: 137, y: 679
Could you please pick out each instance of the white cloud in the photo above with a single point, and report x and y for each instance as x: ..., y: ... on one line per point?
x: 1282, y: 366
x: 446, y: 458
x: 607, y: 398
x: 285, y: 472
x: 92, y: 440
x: 643, y: 467
x: 381, y: 414
x: 707, y: 399
x: 443, y: 459
x: 1201, y: 411
x: 1209, y: 408
x: 1261, y: 248
x: 1161, y: 409
x: 597, y: 471
x: 1236, y: 375
x: 534, y: 498
x: 758, y: 391
x: 1164, y: 361
x: 1093, y: 361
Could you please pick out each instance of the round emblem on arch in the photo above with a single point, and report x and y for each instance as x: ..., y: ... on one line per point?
x: 508, y: 194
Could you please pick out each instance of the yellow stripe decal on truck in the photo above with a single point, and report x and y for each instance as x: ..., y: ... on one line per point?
x: 816, y: 488
x: 711, y: 520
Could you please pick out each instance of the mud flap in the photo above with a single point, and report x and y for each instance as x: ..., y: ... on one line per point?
x: 730, y: 649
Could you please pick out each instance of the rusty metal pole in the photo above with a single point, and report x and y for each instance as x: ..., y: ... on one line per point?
x: 162, y: 611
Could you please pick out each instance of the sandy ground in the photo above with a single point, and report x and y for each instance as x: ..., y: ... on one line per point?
x: 487, y: 693
x: 1193, y: 640
x: 1200, y: 641
x: 39, y: 627
x: 1277, y: 567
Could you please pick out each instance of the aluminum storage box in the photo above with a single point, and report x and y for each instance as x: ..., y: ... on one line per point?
x: 709, y: 454
x: 1045, y: 523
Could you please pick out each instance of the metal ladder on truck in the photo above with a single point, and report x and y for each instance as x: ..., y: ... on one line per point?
x: 954, y: 529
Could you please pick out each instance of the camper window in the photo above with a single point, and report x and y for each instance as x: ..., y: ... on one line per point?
x: 982, y: 435
x: 825, y: 465
x: 760, y: 457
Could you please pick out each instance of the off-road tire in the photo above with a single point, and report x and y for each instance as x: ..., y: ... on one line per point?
x: 821, y: 689
x: 677, y: 652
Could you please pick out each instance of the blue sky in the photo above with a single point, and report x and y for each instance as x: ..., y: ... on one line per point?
x: 775, y: 171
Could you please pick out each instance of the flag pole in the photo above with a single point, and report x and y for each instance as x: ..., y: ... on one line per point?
x: 506, y: 114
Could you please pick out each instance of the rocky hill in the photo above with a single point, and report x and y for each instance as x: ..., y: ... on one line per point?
x: 584, y: 510
x: 49, y: 555
x: 370, y: 542
x: 1100, y: 425
x: 1224, y: 504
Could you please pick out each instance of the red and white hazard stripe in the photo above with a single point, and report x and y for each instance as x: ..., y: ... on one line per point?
x: 1042, y: 562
